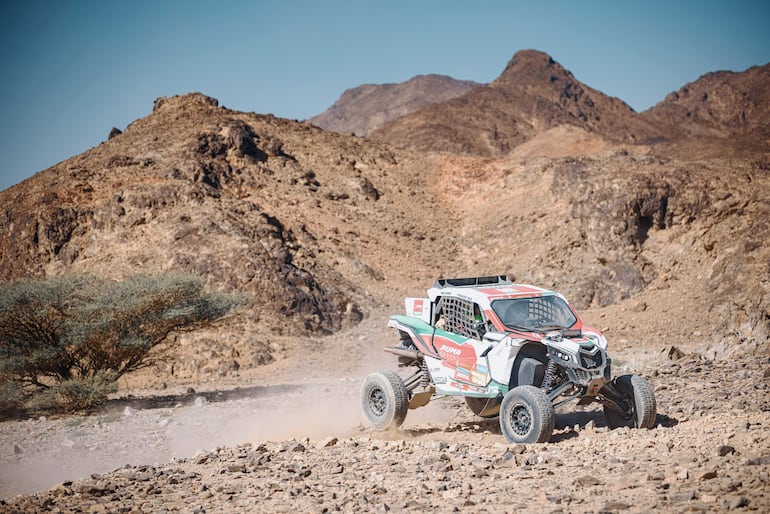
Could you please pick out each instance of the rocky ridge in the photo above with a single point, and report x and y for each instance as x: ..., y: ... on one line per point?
x: 718, y: 104
x: 720, y: 114
x: 365, y: 108
x: 533, y: 93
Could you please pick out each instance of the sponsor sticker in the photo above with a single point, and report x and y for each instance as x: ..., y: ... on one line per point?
x: 478, y: 378
x: 462, y: 375
x: 466, y: 387
x: 450, y: 350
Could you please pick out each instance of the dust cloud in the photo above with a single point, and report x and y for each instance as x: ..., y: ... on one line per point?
x: 76, y: 447
x: 313, y: 405
x: 313, y: 411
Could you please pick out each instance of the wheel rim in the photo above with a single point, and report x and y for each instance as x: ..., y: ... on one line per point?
x: 377, y: 401
x: 630, y: 412
x: 521, y: 419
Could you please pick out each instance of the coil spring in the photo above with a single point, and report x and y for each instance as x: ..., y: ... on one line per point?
x: 549, y: 376
x: 425, y: 377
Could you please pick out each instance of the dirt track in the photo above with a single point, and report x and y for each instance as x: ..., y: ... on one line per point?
x: 709, y: 451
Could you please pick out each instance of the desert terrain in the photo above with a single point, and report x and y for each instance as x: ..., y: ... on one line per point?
x: 290, y: 437
x: 654, y: 225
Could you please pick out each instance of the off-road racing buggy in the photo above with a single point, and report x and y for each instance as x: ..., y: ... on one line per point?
x: 512, y: 350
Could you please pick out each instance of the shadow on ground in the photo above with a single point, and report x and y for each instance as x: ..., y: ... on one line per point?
x: 191, y: 396
x: 567, y: 425
x: 161, y: 401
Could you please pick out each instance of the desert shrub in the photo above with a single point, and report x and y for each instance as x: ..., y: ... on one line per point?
x: 11, y: 398
x: 75, y: 393
x: 65, y: 341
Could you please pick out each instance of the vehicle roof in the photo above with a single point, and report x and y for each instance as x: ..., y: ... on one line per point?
x: 486, y: 289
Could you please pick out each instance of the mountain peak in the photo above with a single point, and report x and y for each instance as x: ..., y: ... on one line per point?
x: 530, y: 66
x: 534, y: 93
x: 186, y: 100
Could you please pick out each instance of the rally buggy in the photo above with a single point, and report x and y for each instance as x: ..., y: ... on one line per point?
x: 512, y: 350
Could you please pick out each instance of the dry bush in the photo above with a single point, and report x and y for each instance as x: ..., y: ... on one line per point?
x: 65, y: 341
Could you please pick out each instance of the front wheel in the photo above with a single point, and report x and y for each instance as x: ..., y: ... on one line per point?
x: 384, y: 399
x: 638, y: 401
x: 526, y: 415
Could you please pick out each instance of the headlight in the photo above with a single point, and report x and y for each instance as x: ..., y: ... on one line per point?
x: 561, y: 355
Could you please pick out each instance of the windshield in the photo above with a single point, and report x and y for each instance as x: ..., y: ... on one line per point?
x: 536, y: 314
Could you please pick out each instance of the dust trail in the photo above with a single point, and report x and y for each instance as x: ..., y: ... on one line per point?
x: 314, y: 407
x: 39, y: 454
x: 314, y: 411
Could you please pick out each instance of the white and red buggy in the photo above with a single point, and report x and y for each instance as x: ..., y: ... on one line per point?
x: 512, y: 350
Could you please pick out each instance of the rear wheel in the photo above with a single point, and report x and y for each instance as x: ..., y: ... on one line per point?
x: 526, y: 415
x: 483, y: 407
x: 638, y: 401
x: 384, y: 400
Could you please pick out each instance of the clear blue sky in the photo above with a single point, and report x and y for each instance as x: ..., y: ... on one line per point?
x: 71, y: 70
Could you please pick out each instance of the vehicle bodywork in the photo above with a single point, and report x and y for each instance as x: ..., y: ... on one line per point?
x: 486, y: 338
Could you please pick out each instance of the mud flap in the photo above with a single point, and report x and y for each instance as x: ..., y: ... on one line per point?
x: 421, y: 399
x: 492, y: 408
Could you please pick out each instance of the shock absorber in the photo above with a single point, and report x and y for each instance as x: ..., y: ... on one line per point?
x: 425, y: 377
x: 421, y: 377
x: 549, y: 376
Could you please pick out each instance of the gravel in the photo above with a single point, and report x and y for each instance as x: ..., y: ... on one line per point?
x: 282, y: 449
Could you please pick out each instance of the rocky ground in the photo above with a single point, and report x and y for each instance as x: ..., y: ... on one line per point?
x: 298, y: 445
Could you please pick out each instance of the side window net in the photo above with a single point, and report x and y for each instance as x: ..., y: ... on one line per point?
x: 460, y: 317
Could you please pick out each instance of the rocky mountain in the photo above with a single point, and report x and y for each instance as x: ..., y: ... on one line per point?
x: 662, y: 246
x: 533, y: 94
x: 721, y: 113
x: 718, y: 104
x: 365, y: 108
x: 326, y: 228
x: 163, y: 195
x: 295, y: 215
